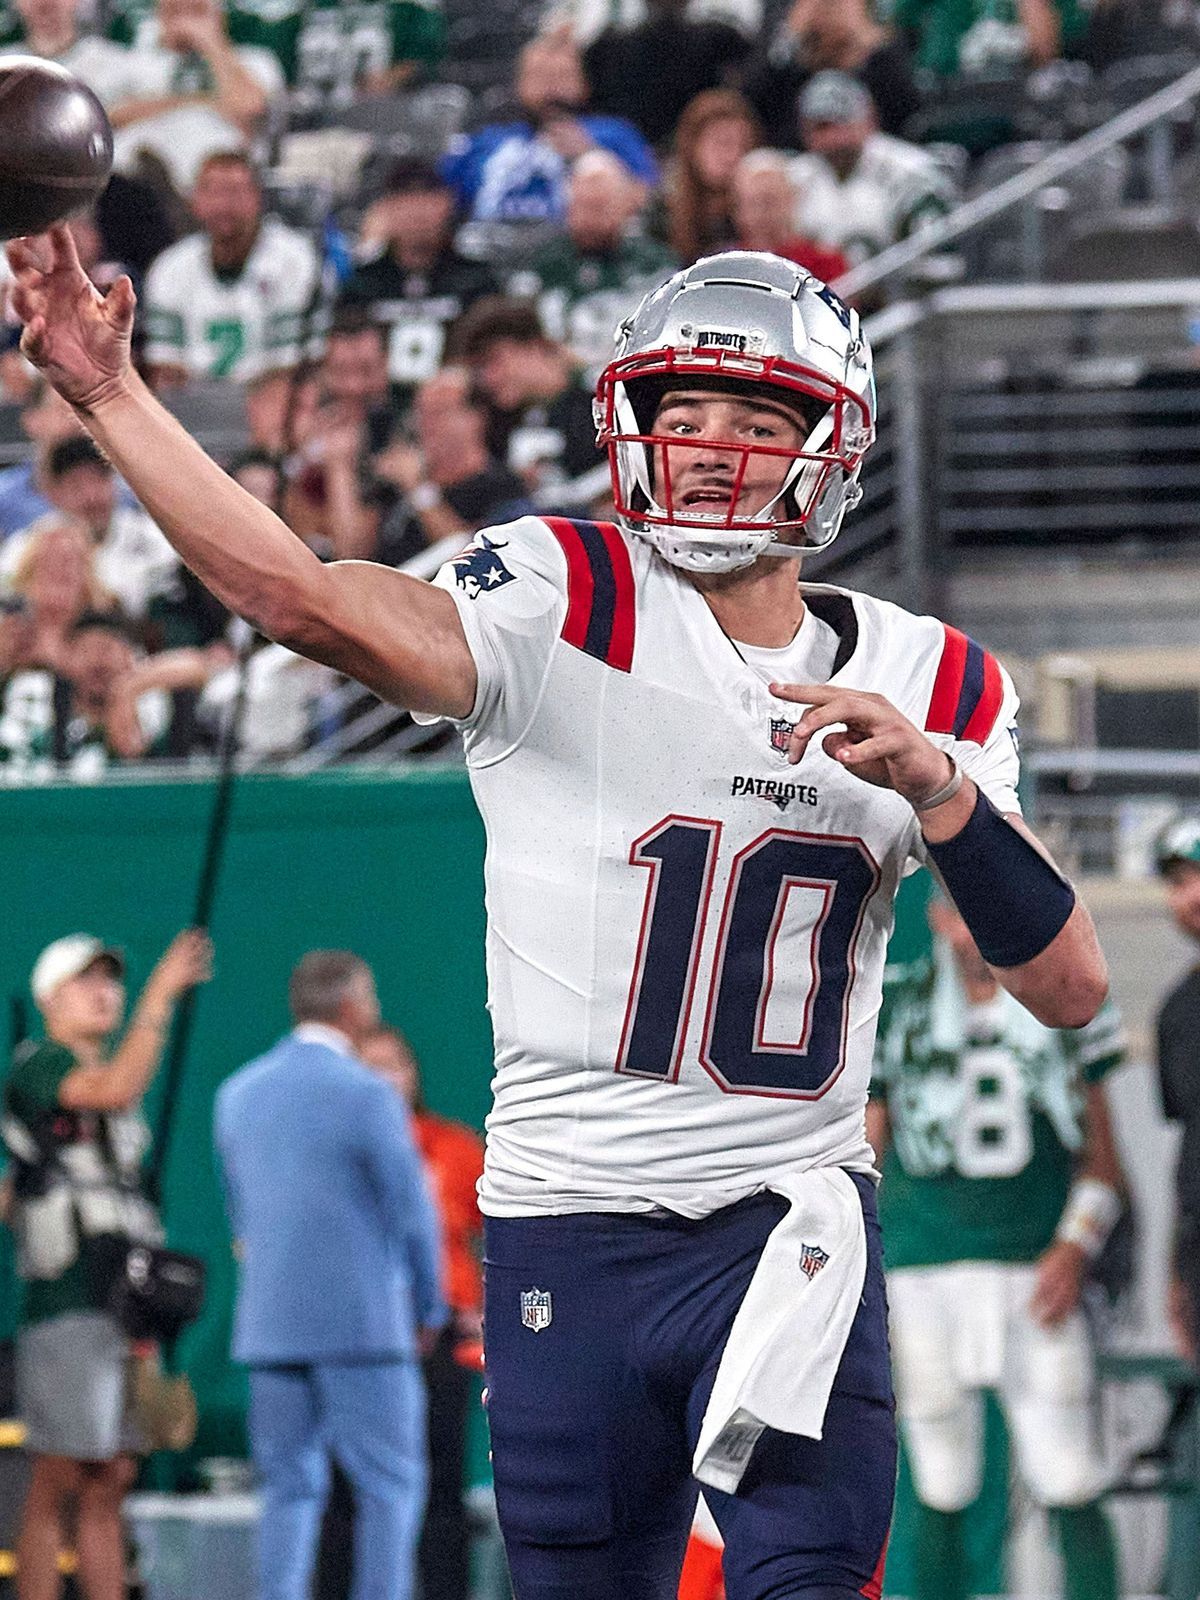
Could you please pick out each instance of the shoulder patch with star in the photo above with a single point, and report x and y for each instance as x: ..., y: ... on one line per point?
x: 479, y: 569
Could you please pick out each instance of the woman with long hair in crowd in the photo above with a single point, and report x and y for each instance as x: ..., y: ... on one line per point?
x: 716, y: 130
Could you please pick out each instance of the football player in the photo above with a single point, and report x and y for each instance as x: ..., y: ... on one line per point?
x: 1001, y: 1182
x: 702, y: 782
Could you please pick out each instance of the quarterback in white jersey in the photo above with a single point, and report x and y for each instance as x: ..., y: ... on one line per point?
x: 702, y: 782
x: 685, y: 952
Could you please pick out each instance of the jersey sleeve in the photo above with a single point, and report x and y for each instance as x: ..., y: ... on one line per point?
x: 624, y: 141
x: 166, y: 334
x: 291, y: 313
x: 972, y: 714
x: 510, y: 588
x: 1100, y: 1046
x: 35, y: 1078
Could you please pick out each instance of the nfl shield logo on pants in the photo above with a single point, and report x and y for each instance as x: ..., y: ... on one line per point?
x: 537, y: 1309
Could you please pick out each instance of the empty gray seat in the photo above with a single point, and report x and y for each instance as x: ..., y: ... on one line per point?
x: 1138, y: 242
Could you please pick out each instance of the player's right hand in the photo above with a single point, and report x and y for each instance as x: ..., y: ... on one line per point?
x: 186, y: 962
x: 75, y: 335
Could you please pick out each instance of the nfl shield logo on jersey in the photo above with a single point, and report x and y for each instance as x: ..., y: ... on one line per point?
x: 781, y: 732
x: 812, y: 1259
x: 537, y: 1309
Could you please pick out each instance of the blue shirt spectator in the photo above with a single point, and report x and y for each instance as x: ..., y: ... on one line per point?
x: 340, y: 1283
x: 327, y: 1200
x: 516, y: 171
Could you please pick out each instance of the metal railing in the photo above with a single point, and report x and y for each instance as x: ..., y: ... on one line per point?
x: 1151, y: 113
x: 1101, y: 811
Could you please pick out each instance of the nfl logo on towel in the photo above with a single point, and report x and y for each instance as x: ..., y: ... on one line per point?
x: 781, y: 732
x: 812, y: 1259
x: 537, y: 1309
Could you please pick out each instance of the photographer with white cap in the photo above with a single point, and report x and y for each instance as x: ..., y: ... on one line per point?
x: 73, y: 1128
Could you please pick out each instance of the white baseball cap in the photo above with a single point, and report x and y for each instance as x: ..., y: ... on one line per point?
x: 67, y: 958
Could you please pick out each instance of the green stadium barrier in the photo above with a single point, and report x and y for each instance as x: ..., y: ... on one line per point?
x: 387, y: 866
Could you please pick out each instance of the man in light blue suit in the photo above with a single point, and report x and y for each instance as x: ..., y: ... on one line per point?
x: 339, y: 1290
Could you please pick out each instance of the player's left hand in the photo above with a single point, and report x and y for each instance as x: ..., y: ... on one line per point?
x: 1058, y: 1284
x: 875, y: 742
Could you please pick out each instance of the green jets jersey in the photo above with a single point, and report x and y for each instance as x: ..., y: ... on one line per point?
x: 986, y: 1111
x: 583, y: 295
x: 325, y: 47
x: 974, y: 35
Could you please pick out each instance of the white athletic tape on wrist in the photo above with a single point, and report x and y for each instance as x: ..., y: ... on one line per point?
x: 1089, y: 1216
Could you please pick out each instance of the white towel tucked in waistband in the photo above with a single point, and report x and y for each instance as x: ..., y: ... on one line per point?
x: 791, y: 1328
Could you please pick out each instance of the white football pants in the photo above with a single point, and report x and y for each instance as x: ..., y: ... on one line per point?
x: 960, y: 1329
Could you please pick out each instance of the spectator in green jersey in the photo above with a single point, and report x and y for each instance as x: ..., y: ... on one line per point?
x: 588, y: 279
x: 1001, y: 1182
x: 330, y: 51
x: 987, y: 36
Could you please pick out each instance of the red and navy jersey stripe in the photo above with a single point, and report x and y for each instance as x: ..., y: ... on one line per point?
x: 600, y: 591
x: 967, y: 690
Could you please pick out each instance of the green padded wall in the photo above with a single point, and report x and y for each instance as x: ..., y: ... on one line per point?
x: 387, y: 866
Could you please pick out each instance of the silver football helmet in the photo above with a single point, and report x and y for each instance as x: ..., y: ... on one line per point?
x: 747, y: 323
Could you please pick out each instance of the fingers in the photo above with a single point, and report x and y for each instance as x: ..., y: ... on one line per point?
x: 119, y: 305
x: 809, y: 694
x: 62, y: 252
x: 863, y: 712
x: 843, y: 748
x: 23, y: 301
x: 33, y: 340
x: 23, y: 256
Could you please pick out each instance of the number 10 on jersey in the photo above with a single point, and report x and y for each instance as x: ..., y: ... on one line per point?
x: 680, y: 854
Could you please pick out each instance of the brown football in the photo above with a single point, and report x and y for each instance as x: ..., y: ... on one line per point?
x: 56, y: 145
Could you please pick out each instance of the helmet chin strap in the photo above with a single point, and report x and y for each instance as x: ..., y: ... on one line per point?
x: 791, y: 552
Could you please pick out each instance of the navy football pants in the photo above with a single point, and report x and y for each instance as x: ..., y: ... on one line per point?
x: 594, y: 1419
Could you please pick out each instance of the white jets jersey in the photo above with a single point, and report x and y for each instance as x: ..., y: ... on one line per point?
x: 232, y: 326
x: 894, y: 189
x: 686, y: 935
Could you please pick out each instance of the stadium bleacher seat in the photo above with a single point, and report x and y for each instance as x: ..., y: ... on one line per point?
x: 1133, y: 244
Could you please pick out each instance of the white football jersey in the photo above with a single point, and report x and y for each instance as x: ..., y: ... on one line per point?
x: 893, y: 190
x: 686, y: 935
x: 237, y: 327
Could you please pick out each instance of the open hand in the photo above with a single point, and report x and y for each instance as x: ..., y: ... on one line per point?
x: 76, y: 336
x: 186, y: 962
x: 1058, y: 1283
x: 877, y: 743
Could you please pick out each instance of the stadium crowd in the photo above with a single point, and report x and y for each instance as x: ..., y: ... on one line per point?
x: 385, y: 271
x: 381, y: 248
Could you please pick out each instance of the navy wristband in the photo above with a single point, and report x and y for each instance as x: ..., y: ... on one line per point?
x: 1014, y: 902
